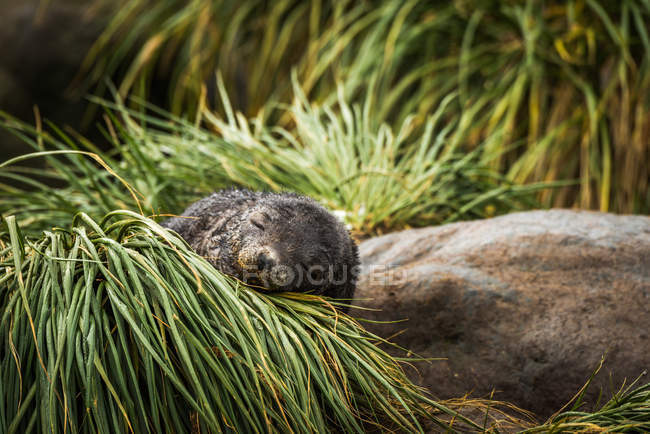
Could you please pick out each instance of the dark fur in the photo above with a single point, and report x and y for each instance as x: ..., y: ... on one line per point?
x: 259, y: 236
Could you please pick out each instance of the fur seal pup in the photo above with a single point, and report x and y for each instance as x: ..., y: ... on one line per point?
x: 280, y: 241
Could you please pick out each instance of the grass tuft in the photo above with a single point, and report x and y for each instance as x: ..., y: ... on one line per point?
x: 627, y: 411
x: 555, y: 90
x: 379, y: 178
x: 117, y: 326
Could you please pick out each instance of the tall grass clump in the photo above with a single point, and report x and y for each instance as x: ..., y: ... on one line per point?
x: 254, y: 43
x: 79, y: 177
x: 379, y: 178
x: 568, y: 81
x: 382, y: 179
x: 627, y: 411
x: 117, y: 326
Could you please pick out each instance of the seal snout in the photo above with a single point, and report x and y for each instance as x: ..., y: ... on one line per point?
x: 265, y: 267
x: 266, y: 261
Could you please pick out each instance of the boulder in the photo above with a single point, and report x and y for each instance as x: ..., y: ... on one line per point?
x: 524, y: 305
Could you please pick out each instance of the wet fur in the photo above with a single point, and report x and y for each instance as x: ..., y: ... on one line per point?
x: 229, y: 228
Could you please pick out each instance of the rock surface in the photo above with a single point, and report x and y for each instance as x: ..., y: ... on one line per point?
x: 525, y: 304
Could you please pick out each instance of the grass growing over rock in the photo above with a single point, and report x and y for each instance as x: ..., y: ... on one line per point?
x: 627, y: 411
x: 117, y: 326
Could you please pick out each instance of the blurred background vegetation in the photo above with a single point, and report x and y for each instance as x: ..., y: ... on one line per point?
x: 560, y: 88
x: 398, y: 113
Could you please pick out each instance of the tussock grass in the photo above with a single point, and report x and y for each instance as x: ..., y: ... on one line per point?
x: 79, y: 177
x: 568, y: 81
x: 380, y: 179
x: 117, y: 326
x: 627, y: 411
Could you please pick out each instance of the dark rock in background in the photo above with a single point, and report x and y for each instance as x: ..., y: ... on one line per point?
x: 525, y: 304
x: 42, y: 45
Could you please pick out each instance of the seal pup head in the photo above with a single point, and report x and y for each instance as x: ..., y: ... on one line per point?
x: 286, y: 242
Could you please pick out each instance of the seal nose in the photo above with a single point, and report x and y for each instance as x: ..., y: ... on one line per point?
x: 265, y: 262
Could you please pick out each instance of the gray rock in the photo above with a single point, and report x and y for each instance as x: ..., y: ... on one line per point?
x: 525, y: 304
